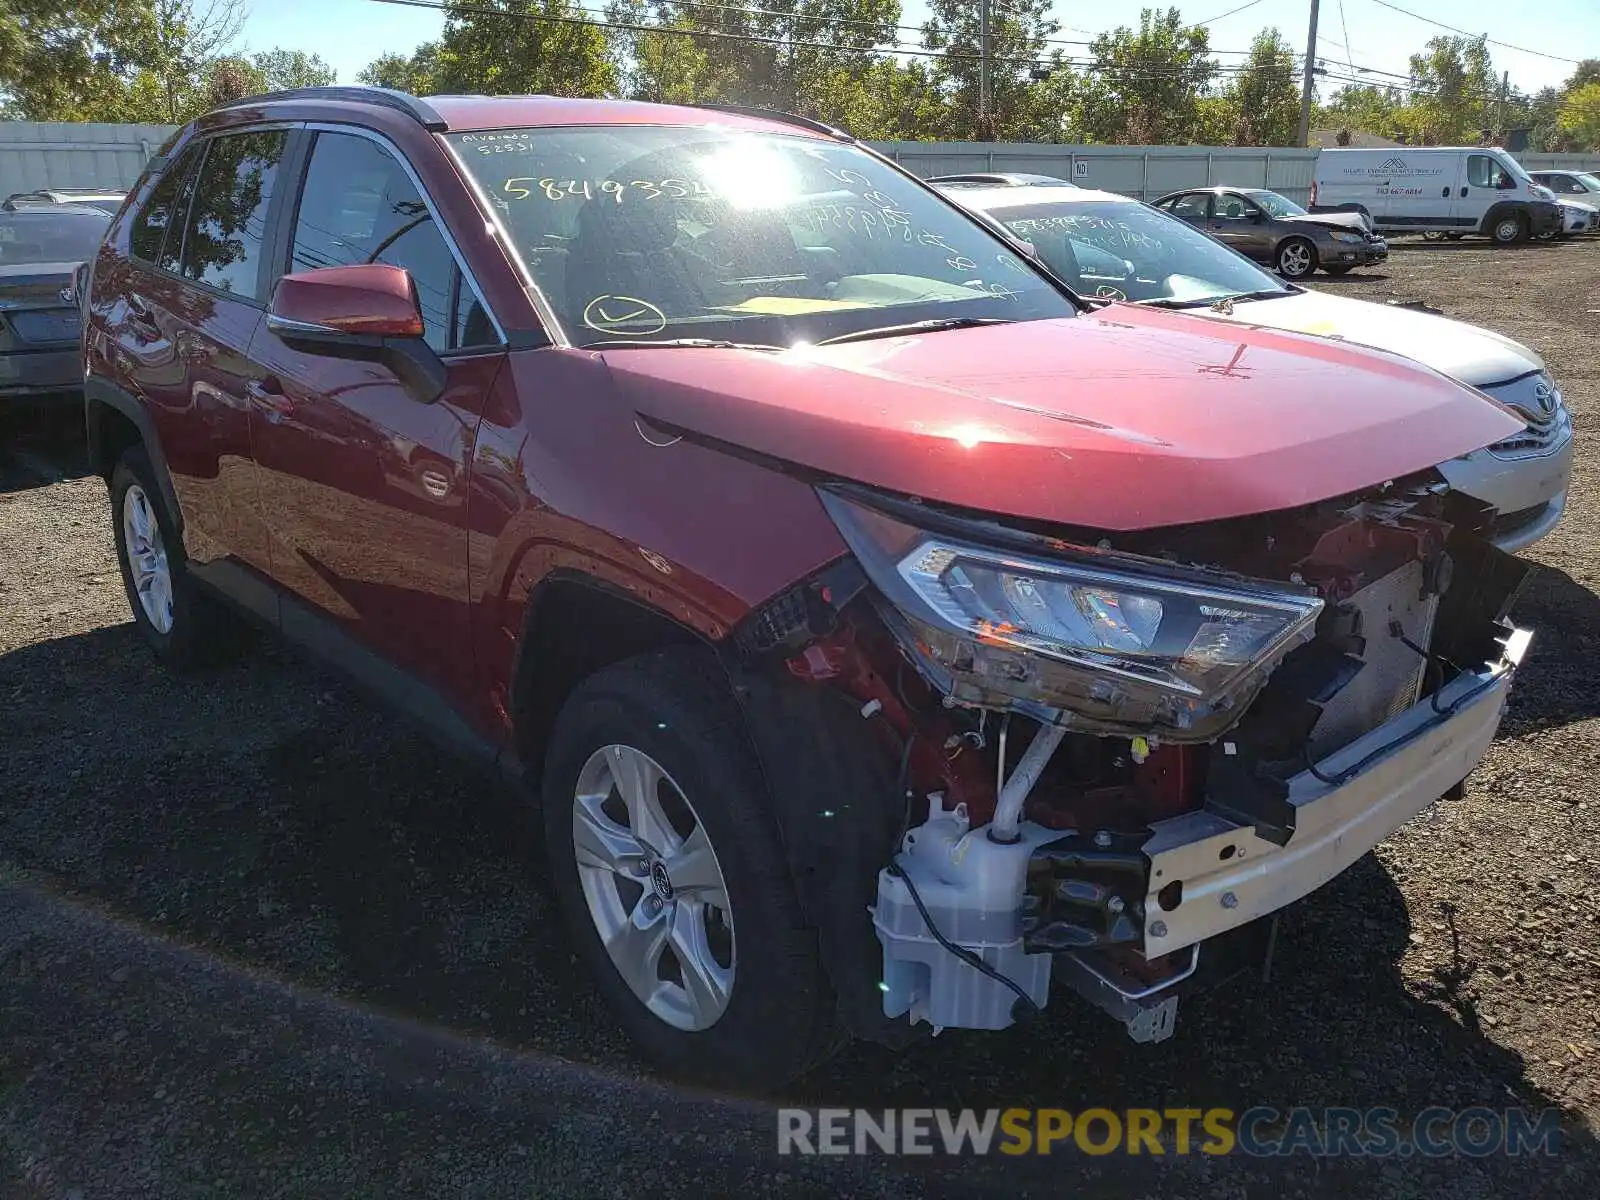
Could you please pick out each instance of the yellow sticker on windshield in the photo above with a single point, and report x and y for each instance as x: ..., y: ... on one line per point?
x: 789, y: 306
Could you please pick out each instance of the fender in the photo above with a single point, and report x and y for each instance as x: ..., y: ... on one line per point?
x: 1501, y: 208
x: 100, y: 393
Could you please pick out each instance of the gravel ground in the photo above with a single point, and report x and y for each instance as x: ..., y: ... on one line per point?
x: 256, y: 938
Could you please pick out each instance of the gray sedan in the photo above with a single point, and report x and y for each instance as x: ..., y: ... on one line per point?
x: 1276, y: 231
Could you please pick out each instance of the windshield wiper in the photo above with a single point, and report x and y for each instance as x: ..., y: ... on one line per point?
x: 1218, y: 302
x: 929, y: 326
x: 687, y: 343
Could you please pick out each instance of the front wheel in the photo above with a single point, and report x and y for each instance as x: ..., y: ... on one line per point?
x: 1296, y: 259
x: 672, y: 877
x: 1509, y: 229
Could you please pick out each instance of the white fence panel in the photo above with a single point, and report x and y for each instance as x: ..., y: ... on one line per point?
x: 1143, y: 172
x: 87, y: 155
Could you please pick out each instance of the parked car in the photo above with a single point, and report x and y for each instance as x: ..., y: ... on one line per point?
x: 1576, y: 218
x: 1000, y: 179
x: 1114, y: 248
x: 885, y: 631
x: 1582, y: 186
x: 107, y: 202
x: 1415, y: 189
x: 40, y: 247
x: 1274, y: 230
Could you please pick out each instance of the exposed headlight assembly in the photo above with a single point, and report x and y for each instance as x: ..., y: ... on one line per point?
x: 1094, y: 641
x: 1343, y: 235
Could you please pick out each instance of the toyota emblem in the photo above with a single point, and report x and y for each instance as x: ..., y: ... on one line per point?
x: 1546, y: 397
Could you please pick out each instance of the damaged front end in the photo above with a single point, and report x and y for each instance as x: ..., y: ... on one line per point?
x: 1103, y: 756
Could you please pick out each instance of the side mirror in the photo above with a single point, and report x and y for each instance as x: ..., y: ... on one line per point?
x: 1257, y: 217
x: 367, y: 312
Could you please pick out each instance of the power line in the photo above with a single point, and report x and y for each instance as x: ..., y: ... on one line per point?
x: 1467, y: 33
x: 676, y: 31
x: 1345, y: 25
x: 1229, y: 13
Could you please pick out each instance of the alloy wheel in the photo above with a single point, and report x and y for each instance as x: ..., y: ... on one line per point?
x: 1295, y: 260
x: 147, y: 558
x: 654, y: 888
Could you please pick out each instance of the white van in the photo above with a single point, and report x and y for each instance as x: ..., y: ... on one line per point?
x: 1459, y: 189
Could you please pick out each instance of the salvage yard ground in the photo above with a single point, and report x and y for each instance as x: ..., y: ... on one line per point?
x: 258, y: 939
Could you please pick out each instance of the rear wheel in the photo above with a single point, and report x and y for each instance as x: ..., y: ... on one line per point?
x: 1296, y: 258
x: 183, y: 626
x: 672, y: 877
x: 1509, y: 229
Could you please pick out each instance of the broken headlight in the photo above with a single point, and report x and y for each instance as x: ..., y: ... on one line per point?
x: 1119, y: 644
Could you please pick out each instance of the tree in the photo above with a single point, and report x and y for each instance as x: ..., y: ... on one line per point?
x: 1460, y: 91
x: 1147, y: 84
x: 414, y: 74
x: 60, y: 58
x: 1264, y: 97
x: 280, y: 70
x: 185, y: 41
x: 501, y: 47
x: 1366, y: 107
x: 1580, y: 116
x: 1019, y: 37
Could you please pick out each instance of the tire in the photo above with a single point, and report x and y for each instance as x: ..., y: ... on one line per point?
x: 760, y: 1011
x: 183, y: 626
x: 1341, y: 269
x: 1296, y: 258
x: 1509, y: 229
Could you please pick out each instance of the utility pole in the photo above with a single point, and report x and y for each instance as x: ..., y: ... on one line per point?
x: 1500, y: 113
x: 985, y: 132
x: 1307, y: 82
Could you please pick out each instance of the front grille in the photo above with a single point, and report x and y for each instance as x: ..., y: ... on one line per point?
x: 1391, y: 677
x: 1548, y: 423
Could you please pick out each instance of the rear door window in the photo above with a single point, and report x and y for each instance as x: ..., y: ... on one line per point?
x: 359, y: 205
x: 228, y: 218
x: 164, y: 211
x: 1233, y: 207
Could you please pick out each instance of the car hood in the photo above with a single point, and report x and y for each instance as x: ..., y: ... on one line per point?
x: 1334, y: 220
x: 1475, y: 356
x: 1126, y: 418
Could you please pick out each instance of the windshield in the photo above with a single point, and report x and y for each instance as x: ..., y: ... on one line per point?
x: 666, y: 232
x: 1276, y: 205
x: 1124, y: 250
x: 28, y: 238
x: 1589, y: 181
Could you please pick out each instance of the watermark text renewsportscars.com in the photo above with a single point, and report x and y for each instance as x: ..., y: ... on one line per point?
x: 1259, y: 1132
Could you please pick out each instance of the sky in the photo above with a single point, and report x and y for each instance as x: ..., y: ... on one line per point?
x: 351, y: 33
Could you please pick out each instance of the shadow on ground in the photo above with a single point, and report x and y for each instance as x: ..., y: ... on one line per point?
x: 262, y: 815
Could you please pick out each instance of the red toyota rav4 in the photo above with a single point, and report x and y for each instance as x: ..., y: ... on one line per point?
x: 886, y: 632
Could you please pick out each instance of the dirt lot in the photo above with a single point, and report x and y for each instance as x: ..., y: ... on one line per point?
x: 258, y: 939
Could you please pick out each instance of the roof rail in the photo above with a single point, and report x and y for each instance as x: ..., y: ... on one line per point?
x: 420, y: 111
x: 782, y: 118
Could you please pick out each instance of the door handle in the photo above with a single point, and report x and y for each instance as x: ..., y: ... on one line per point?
x: 1446, y: 193
x: 1463, y: 193
x: 268, y: 393
x: 139, y: 315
